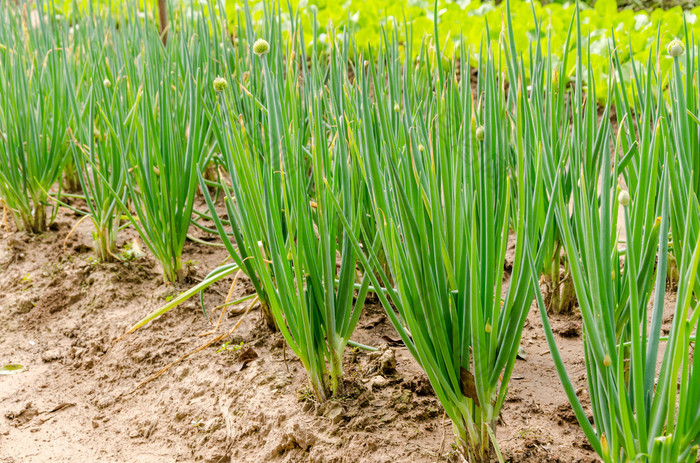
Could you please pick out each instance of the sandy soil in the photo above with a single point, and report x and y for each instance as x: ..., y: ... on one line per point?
x: 61, y: 313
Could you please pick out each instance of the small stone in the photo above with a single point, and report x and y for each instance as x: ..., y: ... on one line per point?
x: 51, y: 355
x: 303, y: 437
x: 25, y: 306
x: 378, y: 382
x: 336, y: 414
x: 387, y: 362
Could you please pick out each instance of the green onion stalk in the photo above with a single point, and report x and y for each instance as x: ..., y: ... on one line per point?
x: 682, y: 123
x: 239, y: 125
x: 103, y: 180
x: 546, y: 123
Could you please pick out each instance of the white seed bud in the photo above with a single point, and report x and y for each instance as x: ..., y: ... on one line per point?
x: 261, y: 47
x: 624, y: 198
x: 106, y: 83
x: 480, y: 133
x: 220, y: 84
x: 675, y: 48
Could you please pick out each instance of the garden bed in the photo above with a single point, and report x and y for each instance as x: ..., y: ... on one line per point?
x: 62, y: 313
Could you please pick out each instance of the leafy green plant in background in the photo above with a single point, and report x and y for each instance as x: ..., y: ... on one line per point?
x: 34, y: 115
x: 467, y: 18
x: 365, y: 21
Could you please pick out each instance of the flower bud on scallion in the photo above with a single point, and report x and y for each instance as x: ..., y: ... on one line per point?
x: 106, y: 83
x: 480, y: 133
x: 624, y: 198
x: 220, y: 84
x: 261, y: 47
x: 675, y: 48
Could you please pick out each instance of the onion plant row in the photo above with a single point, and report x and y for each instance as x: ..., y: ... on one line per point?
x: 129, y: 113
x: 33, y: 149
x: 614, y: 225
x: 331, y: 172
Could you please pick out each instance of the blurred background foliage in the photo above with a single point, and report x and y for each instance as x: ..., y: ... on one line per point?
x: 634, y: 24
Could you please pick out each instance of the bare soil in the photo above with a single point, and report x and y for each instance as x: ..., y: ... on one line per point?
x: 78, y: 400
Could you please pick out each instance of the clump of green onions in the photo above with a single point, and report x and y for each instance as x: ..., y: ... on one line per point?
x: 635, y: 413
x: 105, y: 125
x: 34, y: 115
x: 286, y: 228
x: 442, y: 196
x: 170, y: 140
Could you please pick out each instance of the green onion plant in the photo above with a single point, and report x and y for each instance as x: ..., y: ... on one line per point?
x: 634, y: 384
x: 105, y: 128
x: 444, y: 194
x: 34, y: 115
x: 286, y: 230
x: 170, y: 140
